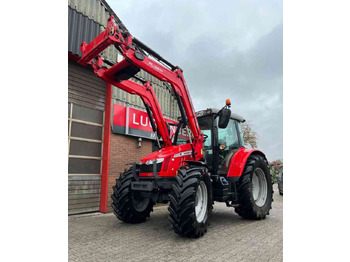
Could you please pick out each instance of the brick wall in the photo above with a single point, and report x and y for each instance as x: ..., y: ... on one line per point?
x: 123, y: 149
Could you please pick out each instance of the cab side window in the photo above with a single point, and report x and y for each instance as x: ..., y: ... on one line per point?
x: 228, y: 136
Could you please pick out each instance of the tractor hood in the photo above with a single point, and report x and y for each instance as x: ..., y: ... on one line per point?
x: 172, y: 151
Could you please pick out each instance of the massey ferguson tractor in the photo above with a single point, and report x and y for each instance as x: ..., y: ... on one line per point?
x: 203, y: 161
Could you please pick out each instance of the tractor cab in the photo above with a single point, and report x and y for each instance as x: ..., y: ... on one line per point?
x: 221, y: 141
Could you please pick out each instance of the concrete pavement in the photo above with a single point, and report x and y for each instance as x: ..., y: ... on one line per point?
x: 102, y: 237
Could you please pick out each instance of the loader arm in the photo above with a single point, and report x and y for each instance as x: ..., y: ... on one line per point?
x: 135, y: 58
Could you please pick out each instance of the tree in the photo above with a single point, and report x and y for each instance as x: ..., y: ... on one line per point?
x: 275, y: 167
x: 249, y: 135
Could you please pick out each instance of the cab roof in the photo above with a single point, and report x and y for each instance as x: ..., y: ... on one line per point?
x: 210, y: 111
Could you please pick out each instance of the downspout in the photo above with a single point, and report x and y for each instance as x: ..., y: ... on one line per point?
x: 106, y: 149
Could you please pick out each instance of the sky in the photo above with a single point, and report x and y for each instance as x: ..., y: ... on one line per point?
x: 227, y: 49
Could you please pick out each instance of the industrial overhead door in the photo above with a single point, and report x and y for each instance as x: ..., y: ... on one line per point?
x: 86, y: 99
x: 84, y: 158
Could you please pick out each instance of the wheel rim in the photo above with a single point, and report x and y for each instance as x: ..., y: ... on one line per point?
x: 140, y: 204
x: 201, y: 202
x: 259, y: 185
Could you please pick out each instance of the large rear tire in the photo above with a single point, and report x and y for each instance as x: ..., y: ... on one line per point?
x: 255, y: 189
x: 128, y: 205
x: 191, y: 201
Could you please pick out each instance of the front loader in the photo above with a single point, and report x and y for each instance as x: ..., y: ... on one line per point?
x: 204, y: 161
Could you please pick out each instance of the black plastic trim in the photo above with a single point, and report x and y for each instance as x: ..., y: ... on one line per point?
x: 196, y: 163
x: 150, y: 117
x: 182, y: 110
x: 238, y: 134
x: 152, y: 52
x: 139, y: 56
x: 150, y: 168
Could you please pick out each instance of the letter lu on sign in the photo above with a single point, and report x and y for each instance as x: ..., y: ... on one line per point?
x: 134, y: 122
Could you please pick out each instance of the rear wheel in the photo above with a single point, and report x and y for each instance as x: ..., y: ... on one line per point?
x: 128, y: 205
x: 255, y: 189
x: 191, y: 201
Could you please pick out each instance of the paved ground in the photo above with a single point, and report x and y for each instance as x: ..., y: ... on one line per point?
x: 101, y: 237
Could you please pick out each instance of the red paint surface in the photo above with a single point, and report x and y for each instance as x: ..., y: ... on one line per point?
x: 137, y: 119
x: 106, y: 146
x: 174, y: 162
x: 119, y: 113
x: 239, y: 160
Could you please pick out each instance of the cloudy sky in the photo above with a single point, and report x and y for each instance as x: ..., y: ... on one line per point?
x: 227, y: 49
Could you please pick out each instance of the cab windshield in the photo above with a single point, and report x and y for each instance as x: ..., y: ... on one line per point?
x: 181, y: 135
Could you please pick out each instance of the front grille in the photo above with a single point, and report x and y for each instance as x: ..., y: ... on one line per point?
x: 149, y: 168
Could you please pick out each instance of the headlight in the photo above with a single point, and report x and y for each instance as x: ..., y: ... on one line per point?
x: 158, y: 160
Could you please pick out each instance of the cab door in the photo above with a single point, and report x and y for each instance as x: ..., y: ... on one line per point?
x: 206, y: 126
x: 229, y: 141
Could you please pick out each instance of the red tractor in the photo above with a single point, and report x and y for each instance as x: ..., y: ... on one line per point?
x: 204, y: 161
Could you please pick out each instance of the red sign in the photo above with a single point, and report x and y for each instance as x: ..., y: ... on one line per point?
x: 131, y: 121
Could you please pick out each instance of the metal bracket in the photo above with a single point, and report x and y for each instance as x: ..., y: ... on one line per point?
x: 134, y: 171
x: 155, y: 170
x: 156, y: 177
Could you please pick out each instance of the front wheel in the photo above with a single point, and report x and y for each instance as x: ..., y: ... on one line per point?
x: 191, y: 201
x: 255, y: 189
x: 129, y: 206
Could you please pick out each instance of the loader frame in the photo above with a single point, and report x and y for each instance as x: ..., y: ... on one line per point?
x: 137, y: 56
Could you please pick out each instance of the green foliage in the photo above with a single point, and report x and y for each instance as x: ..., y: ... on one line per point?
x: 249, y: 135
x: 275, y: 167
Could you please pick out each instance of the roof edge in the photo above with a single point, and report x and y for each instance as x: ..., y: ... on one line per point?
x: 110, y: 10
x: 209, y: 111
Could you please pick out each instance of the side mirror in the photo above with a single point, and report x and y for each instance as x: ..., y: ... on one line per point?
x: 224, y: 117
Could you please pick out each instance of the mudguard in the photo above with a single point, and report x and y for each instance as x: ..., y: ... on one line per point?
x: 239, y: 160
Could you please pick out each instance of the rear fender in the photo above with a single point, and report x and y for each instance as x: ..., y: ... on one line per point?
x: 239, y: 160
